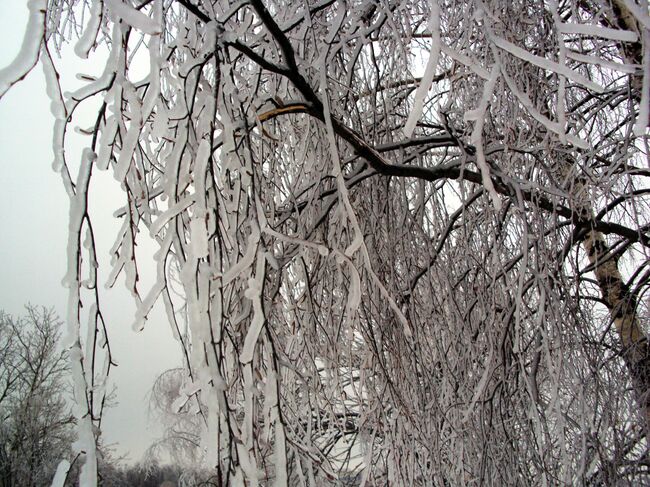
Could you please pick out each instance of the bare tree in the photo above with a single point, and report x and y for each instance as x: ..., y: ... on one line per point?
x: 36, y: 428
x: 182, y: 424
x: 402, y: 242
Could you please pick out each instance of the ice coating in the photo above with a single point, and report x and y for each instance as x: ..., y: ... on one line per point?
x: 28, y: 55
x: 598, y: 31
x: 87, y: 40
x: 478, y: 116
x: 57, y: 107
x: 324, y: 277
x: 643, y: 119
x: 133, y: 17
x: 546, y: 64
x: 429, y: 71
x: 61, y: 473
x: 81, y: 370
x: 254, y: 293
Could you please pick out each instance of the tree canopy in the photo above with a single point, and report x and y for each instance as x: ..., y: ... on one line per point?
x: 36, y: 427
x: 401, y: 242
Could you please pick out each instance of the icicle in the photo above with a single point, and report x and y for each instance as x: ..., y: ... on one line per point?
x: 155, y: 62
x: 168, y: 214
x: 198, y: 237
x: 29, y: 50
x: 85, y: 431
x: 245, y: 447
x: 545, y: 63
x: 473, y: 65
x: 103, y: 82
x: 429, y: 71
x: 481, y: 386
x: 583, y: 58
x: 133, y: 134
x: 61, y: 474
x: 280, y: 454
x: 90, y: 340
x: 173, y: 161
x: 160, y: 121
x: 478, y: 117
x: 561, y: 91
x: 643, y: 120
x: 598, y: 31
x: 198, y: 229
x: 211, y: 441
x: 254, y: 293
x: 57, y: 107
x: 200, y: 169
x: 133, y: 17
x: 86, y: 445
x: 354, y: 291
x: 246, y: 261
x: 87, y: 40
x: 106, y: 140
x: 145, y: 307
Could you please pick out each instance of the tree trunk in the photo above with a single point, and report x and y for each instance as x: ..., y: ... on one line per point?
x: 622, y: 305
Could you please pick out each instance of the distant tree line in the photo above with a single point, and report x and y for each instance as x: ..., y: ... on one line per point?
x: 36, y: 420
x: 139, y: 475
x: 36, y: 423
x: 147, y: 473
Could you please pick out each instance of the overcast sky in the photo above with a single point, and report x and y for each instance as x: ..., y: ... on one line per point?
x: 33, y: 222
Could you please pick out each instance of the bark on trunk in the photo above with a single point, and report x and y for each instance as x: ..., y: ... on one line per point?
x: 622, y: 305
x: 619, y: 299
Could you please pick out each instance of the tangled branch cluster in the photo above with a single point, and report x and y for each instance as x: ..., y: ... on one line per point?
x: 402, y: 242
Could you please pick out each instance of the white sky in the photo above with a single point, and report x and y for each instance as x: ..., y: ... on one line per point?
x: 33, y: 219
